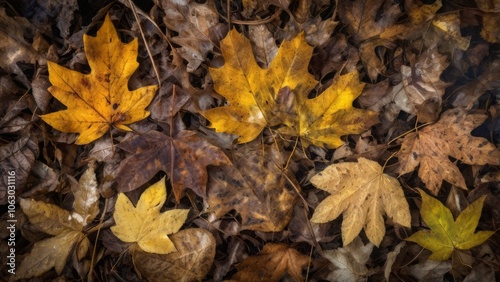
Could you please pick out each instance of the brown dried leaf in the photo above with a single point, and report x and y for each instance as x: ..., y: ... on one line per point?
x: 255, y: 187
x: 184, y: 158
x: 192, y: 261
x: 450, y: 136
x: 271, y: 264
x: 368, y: 18
x: 18, y: 157
x: 263, y: 44
x: 195, y: 23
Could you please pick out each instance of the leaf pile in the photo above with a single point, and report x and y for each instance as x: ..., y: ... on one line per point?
x: 259, y: 140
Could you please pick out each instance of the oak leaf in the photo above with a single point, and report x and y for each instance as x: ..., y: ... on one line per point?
x: 279, y: 95
x: 271, y: 264
x: 184, y: 158
x: 446, y: 234
x: 192, y: 261
x: 363, y: 193
x: 450, y: 136
x: 144, y: 224
x: 101, y: 99
x: 66, y: 227
x: 254, y: 186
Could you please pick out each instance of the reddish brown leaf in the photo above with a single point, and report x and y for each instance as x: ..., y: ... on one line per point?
x: 183, y: 158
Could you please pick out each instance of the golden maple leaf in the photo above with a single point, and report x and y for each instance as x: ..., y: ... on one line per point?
x: 279, y: 95
x: 363, y: 193
x: 100, y: 99
x: 66, y: 227
x: 144, y: 224
x: 447, y: 234
x: 450, y: 136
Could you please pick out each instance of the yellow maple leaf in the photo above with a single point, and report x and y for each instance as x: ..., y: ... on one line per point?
x: 100, y: 99
x: 144, y: 224
x: 363, y: 193
x: 66, y: 227
x: 447, y: 234
x: 279, y: 95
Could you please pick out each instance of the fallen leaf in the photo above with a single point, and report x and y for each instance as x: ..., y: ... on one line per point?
x: 363, y: 193
x: 349, y: 263
x: 368, y: 18
x: 254, y: 95
x: 101, y: 99
x: 144, y: 224
x: 271, y: 264
x: 446, y: 234
x: 430, y: 270
x: 450, y: 136
x: 254, y: 186
x: 195, y: 23
x: 192, y: 261
x: 263, y: 44
x: 183, y: 158
x: 391, y: 258
x: 67, y: 228
x: 18, y: 158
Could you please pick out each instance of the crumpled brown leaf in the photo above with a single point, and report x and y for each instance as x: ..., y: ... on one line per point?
x: 197, y: 24
x: 192, y: 261
x: 254, y: 186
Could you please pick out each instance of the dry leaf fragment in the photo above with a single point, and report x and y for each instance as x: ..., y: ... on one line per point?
x: 349, y: 262
x: 271, y: 264
x: 256, y: 187
x: 186, y: 156
x: 64, y: 225
x: 363, y: 193
x: 192, y: 261
x: 446, y: 234
x: 255, y: 96
x: 144, y: 224
x: 450, y: 136
x: 101, y: 99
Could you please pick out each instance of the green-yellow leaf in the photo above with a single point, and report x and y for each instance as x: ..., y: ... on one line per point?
x: 363, y: 193
x: 100, y: 99
x: 144, y: 224
x: 279, y: 95
x: 447, y: 234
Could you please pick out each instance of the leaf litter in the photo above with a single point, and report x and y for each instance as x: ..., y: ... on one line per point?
x: 286, y: 140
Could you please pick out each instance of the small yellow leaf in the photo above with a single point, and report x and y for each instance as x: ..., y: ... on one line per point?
x: 144, y: 224
x: 101, y: 99
x: 446, y: 234
x: 363, y: 193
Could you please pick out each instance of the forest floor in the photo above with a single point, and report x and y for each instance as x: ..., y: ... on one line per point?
x: 283, y: 140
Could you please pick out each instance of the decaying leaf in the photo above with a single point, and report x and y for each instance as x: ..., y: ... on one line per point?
x: 363, y: 193
x: 446, y: 234
x: 349, y: 262
x: 450, y: 136
x: 16, y: 158
x: 65, y: 226
x: 144, y: 224
x: 101, y: 99
x: 256, y: 187
x: 279, y: 95
x: 195, y: 23
x: 271, y: 264
x: 186, y: 156
x: 192, y: 261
